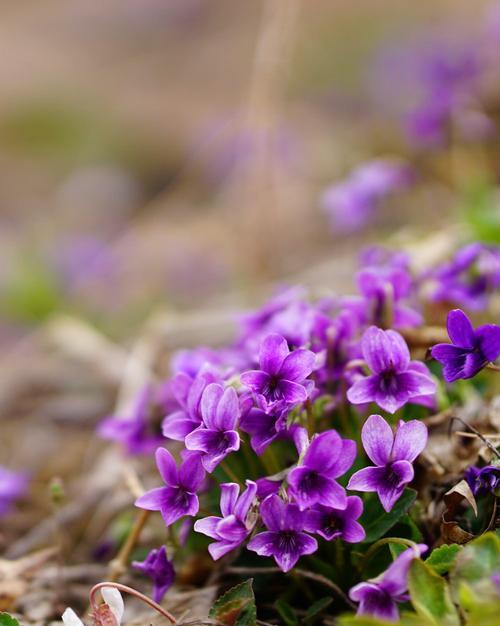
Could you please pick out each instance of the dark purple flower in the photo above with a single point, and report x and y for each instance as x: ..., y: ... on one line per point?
x: 380, y: 596
x: 136, y: 431
x: 178, y: 497
x: 483, y: 479
x: 188, y: 392
x: 351, y: 203
x: 332, y: 523
x: 393, y: 382
x: 284, y: 540
x: 282, y: 375
x: 263, y: 427
x: 12, y: 486
x: 393, y: 457
x: 217, y: 436
x: 471, y: 349
x: 159, y: 569
x: 230, y: 530
x: 313, y: 482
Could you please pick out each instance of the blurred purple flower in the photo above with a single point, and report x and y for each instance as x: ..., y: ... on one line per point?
x: 394, y: 380
x: 285, y: 539
x: 380, y: 596
x: 217, y: 436
x: 230, y: 530
x: 351, y: 204
x: 313, y: 481
x: 393, y: 457
x: 159, y: 569
x: 178, y: 498
x: 13, y: 485
x: 470, y: 349
x: 332, y: 523
x: 483, y: 479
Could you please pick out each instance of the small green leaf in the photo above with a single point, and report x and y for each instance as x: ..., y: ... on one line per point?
x: 287, y: 612
x: 377, y: 522
x: 430, y: 595
x: 236, y: 607
x: 478, y: 560
x: 442, y: 559
x: 316, y: 608
x: 361, y: 620
x: 7, y: 620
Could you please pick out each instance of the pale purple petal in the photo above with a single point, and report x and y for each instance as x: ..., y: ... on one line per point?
x: 191, y: 473
x: 177, y: 425
x: 220, y: 548
x: 393, y: 396
x: 353, y: 532
x: 228, y: 497
x: 345, y: 458
x: 152, y: 500
x: 460, y: 329
x: 399, y: 352
x: 167, y: 466
x: 255, y: 380
x: 395, y: 578
x: 209, y: 402
x: 207, y: 526
x: 376, y: 349
x: 263, y: 543
x: 292, y: 392
x: 273, y: 351
x: 416, y: 384
x: 228, y: 410
x: 203, y: 440
x: 410, y: 440
x: 323, y: 451
x: 364, y: 390
x: 378, y: 439
x: 245, y: 500
x: 298, y: 365
x: 366, y: 479
x: 232, y: 530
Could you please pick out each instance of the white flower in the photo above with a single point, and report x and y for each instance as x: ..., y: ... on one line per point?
x: 112, y: 597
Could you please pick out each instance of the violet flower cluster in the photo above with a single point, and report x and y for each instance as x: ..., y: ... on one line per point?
x: 267, y: 425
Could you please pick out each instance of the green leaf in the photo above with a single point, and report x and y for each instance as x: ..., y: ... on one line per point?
x: 361, y: 620
x: 7, y: 620
x: 478, y: 560
x: 236, y: 607
x: 316, y: 608
x: 287, y: 612
x: 377, y: 522
x: 442, y: 559
x: 430, y: 595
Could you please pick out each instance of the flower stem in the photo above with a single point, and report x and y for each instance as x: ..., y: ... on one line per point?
x: 119, y: 564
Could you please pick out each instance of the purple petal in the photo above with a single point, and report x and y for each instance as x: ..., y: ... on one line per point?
x: 191, y: 473
x: 228, y: 411
x: 298, y: 365
x: 353, y: 532
x: 220, y: 548
x: 228, y: 497
x: 273, y: 351
x: 232, y: 530
x: 181, y: 384
x: 416, y: 384
x: 167, y: 466
x: 395, y: 578
x: 209, y: 402
x: 292, y: 392
x: 345, y: 459
x: 410, y: 440
x: 309, y: 487
x: 367, y: 479
x: 203, y: 440
x: 364, y: 390
x: 460, y: 329
x: 377, y: 439
x: 287, y: 556
x: 374, y: 602
x: 151, y: 500
x: 273, y: 512
x: 207, y: 526
x: 384, y: 350
x: 489, y: 341
x: 255, y: 380
x: 323, y: 451
x: 177, y: 425
x: 392, y: 395
x: 177, y: 505
x: 226, y: 443
x: 245, y: 500
x: 264, y: 543
x: 392, y: 484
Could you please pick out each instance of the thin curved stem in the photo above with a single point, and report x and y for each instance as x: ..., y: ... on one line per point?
x: 132, y: 592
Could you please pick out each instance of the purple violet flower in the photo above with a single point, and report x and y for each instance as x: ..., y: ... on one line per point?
x: 394, y: 381
x: 332, y: 523
x: 159, y: 569
x: 230, y: 530
x: 393, y: 457
x: 285, y: 539
x: 188, y: 392
x: 178, y: 497
x: 282, y: 375
x: 313, y: 482
x: 264, y: 428
x: 12, y: 486
x: 217, y: 436
x: 470, y: 349
x: 482, y: 479
x: 380, y: 596
x: 135, y: 431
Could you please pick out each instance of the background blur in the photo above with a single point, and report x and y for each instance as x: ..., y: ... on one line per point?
x: 174, y: 152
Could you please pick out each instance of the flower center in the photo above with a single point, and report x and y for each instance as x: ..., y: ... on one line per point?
x: 287, y: 541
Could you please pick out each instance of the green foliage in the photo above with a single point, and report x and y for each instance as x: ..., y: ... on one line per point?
x: 430, y: 595
x: 286, y: 612
x: 315, y: 610
x: 377, y: 522
x: 482, y: 213
x: 236, y: 607
x: 8, y: 620
x: 443, y: 558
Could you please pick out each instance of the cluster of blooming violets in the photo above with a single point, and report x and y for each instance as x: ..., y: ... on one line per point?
x: 271, y: 423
